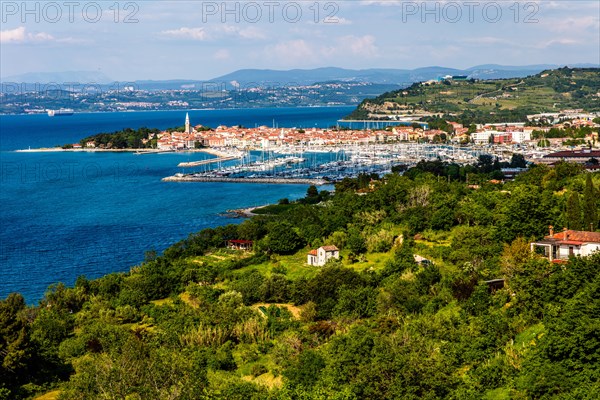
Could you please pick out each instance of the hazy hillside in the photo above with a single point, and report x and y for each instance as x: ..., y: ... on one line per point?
x: 403, y: 77
x: 60, y: 77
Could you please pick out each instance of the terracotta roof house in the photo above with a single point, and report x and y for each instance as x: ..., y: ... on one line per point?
x: 562, y: 245
x: 320, y: 256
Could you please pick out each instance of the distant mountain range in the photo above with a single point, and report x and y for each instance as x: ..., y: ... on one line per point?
x: 246, y: 78
x: 60, y: 77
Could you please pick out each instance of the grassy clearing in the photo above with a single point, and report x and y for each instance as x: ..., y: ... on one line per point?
x: 269, y: 380
x: 187, y: 299
x: 371, y: 262
x: 530, y: 336
x: 162, y: 302
x: 294, y: 266
x: 53, y: 395
x: 498, y: 394
x: 219, y: 257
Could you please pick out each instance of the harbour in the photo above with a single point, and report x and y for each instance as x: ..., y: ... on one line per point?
x: 325, y: 164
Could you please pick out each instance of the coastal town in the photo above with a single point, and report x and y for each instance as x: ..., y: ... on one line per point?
x: 264, y: 137
x: 320, y: 155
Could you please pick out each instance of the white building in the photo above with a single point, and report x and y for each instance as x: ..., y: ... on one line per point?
x: 568, y: 243
x: 320, y: 256
x: 482, y: 137
x: 520, y: 137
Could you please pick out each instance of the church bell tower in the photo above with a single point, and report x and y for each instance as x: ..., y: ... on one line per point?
x: 187, y: 123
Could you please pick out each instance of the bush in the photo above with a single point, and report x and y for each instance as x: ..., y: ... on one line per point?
x: 258, y: 369
x: 355, y: 242
x: 380, y: 242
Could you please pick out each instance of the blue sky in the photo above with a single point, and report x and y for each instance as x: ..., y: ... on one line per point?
x: 205, y: 39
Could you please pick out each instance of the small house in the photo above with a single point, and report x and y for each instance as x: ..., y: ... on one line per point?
x: 320, y: 256
x: 562, y: 245
x: 239, y: 244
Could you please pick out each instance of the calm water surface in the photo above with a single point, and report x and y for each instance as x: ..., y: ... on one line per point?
x: 68, y: 214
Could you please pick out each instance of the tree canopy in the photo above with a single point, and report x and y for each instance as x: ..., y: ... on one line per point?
x: 436, y: 295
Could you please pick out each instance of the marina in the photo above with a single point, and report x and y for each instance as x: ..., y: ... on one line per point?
x: 317, y: 164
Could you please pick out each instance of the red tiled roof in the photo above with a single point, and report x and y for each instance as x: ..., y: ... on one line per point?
x: 330, y: 248
x: 573, y: 242
x: 312, y: 253
x: 574, y: 154
x: 577, y: 236
x: 240, y: 241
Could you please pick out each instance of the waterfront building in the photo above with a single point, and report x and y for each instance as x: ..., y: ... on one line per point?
x: 482, y: 137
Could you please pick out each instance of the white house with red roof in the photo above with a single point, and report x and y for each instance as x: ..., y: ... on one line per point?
x: 320, y: 256
x: 562, y: 245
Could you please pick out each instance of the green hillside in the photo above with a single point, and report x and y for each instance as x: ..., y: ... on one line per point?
x: 204, y: 322
x: 491, y: 100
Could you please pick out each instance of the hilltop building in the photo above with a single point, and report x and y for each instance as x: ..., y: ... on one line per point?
x: 320, y: 256
x: 239, y: 244
x: 568, y: 243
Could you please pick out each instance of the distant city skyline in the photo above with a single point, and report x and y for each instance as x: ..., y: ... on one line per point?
x: 204, y: 39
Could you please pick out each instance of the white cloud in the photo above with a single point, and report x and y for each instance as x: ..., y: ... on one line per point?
x: 292, y: 52
x: 14, y: 35
x: 385, y: 3
x: 333, y: 20
x: 562, y: 5
x: 360, y: 46
x: 222, y: 54
x: 187, y: 33
x: 251, y: 33
x: 216, y: 32
x: 301, y: 52
x: 490, y: 40
x: 559, y: 42
x: 41, y: 37
x: 573, y: 24
x: 339, y: 21
x: 487, y: 40
x: 20, y: 35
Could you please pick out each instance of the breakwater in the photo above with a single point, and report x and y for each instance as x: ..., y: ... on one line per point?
x: 206, y: 162
x: 297, y: 181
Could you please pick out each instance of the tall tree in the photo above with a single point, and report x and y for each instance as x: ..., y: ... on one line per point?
x: 518, y: 161
x: 590, y: 205
x: 574, y: 212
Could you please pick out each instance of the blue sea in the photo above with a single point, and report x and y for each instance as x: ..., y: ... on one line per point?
x: 68, y: 214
